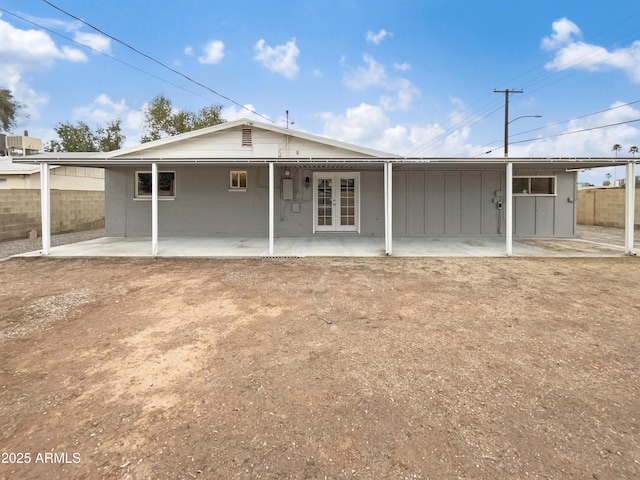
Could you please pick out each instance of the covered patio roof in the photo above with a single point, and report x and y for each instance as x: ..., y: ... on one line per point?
x: 91, y: 159
x: 194, y: 149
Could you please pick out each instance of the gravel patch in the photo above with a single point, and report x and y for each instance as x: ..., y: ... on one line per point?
x: 15, y: 247
x: 45, y: 311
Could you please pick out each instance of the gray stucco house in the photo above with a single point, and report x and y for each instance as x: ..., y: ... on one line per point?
x: 246, y: 178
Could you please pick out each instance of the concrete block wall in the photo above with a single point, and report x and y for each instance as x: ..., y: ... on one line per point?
x: 605, y: 207
x: 71, y: 211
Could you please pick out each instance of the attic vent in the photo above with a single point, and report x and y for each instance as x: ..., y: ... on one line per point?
x: 246, y: 137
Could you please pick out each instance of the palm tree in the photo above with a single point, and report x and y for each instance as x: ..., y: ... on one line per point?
x: 633, y: 150
x: 608, y: 181
x: 616, y: 148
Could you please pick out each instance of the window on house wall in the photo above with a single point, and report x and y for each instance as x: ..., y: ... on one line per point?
x: 537, y: 185
x: 238, y: 180
x: 166, y: 185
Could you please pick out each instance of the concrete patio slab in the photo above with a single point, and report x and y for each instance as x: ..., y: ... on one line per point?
x: 333, y: 246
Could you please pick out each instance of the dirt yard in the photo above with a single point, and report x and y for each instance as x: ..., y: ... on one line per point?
x: 382, y: 368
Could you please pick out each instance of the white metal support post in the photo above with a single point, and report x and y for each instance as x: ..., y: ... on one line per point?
x: 388, y: 210
x: 509, y: 211
x: 630, y: 197
x: 154, y: 209
x: 45, y: 207
x: 271, y: 207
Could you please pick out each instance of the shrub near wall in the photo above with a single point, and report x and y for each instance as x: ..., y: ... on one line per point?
x: 605, y: 207
x: 71, y: 211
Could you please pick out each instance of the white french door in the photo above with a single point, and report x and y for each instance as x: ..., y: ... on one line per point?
x: 336, y: 200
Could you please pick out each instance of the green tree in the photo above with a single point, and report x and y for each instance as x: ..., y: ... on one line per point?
x: 110, y: 137
x: 9, y: 109
x: 161, y: 119
x: 81, y: 138
x: 633, y: 150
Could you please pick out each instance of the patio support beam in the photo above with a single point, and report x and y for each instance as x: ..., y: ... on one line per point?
x: 271, y: 207
x: 388, y: 211
x: 154, y: 209
x: 630, y: 200
x: 509, y: 211
x: 45, y: 207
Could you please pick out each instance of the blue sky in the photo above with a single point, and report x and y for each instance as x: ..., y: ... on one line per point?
x: 415, y: 78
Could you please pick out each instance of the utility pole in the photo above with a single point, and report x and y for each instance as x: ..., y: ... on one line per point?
x: 506, y: 117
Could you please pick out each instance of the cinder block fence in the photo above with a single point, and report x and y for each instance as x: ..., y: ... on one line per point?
x: 71, y: 211
x: 604, y: 207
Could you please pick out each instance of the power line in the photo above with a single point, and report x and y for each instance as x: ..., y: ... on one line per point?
x: 582, y: 130
x: 102, y: 53
x: 543, y: 80
x: 578, y: 131
x: 149, y: 57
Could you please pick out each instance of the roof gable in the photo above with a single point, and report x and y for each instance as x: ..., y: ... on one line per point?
x: 244, y: 139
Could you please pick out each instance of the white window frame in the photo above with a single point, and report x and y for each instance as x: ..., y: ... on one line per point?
x: 147, y: 196
x: 529, y: 194
x: 238, y: 187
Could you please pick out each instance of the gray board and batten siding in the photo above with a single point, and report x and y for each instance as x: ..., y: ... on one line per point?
x: 426, y: 202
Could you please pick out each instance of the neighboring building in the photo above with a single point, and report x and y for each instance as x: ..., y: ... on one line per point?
x: 246, y: 178
x: 78, y: 199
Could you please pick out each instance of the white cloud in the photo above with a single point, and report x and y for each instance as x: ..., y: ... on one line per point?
x: 368, y: 126
x: 572, y: 53
x: 406, y: 93
x: 588, y: 140
x: 563, y: 32
x: 214, y: 52
x: 97, y: 42
x: 104, y: 110
x: 359, y: 125
x: 282, y: 59
x: 31, y: 49
x: 73, y: 54
x: 403, y: 67
x: 54, y: 23
x: 375, y: 75
x: 188, y: 50
x: 233, y: 112
x: 376, y: 38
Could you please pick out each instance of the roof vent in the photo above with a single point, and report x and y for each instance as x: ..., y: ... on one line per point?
x: 246, y: 137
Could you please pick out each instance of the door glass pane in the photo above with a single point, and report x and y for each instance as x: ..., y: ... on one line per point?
x: 347, y: 201
x: 325, y: 210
